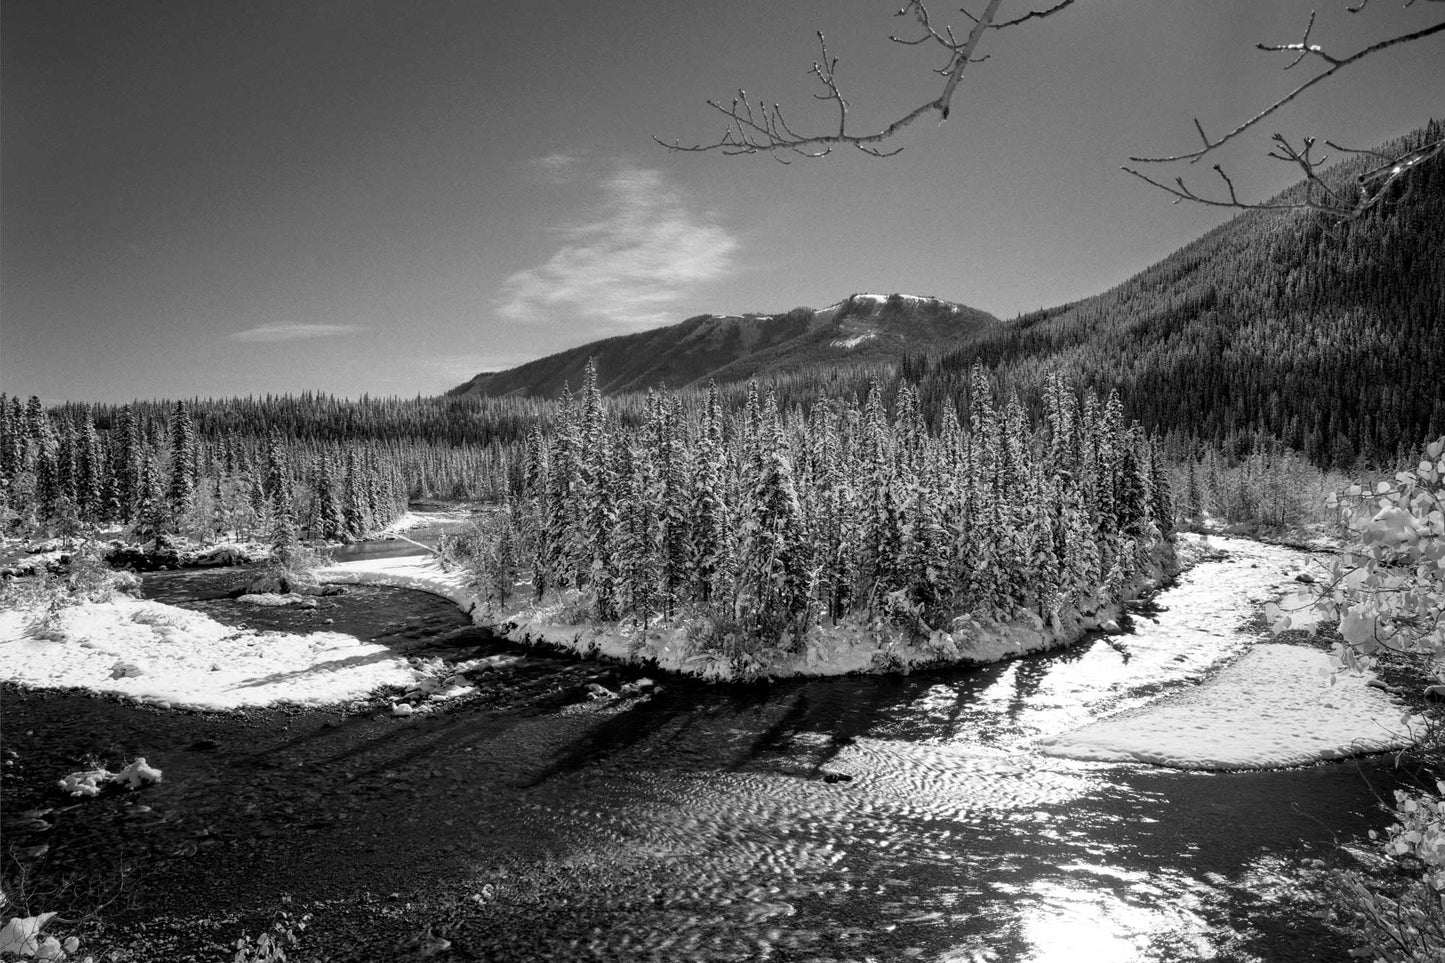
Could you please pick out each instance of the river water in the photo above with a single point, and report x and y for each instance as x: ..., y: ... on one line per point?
x: 833, y: 819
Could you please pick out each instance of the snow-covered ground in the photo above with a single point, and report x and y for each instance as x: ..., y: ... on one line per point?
x: 160, y: 653
x: 421, y: 572
x: 409, y: 520
x: 1278, y: 705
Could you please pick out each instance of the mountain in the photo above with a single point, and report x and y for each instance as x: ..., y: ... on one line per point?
x: 1329, y: 337
x: 858, y: 330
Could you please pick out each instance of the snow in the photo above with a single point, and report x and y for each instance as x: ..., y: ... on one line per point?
x: 421, y: 572
x: 881, y: 298
x: 278, y: 600
x: 89, y: 782
x: 164, y: 654
x: 409, y: 520
x: 1278, y: 705
x: 21, y: 935
x: 854, y: 341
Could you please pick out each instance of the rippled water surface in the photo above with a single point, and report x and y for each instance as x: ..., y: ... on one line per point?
x: 853, y: 818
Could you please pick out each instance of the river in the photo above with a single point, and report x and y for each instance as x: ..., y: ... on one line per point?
x: 857, y: 818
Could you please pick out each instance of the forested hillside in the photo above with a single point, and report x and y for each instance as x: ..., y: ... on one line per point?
x: 1331, y: 340
x: 859, y: 330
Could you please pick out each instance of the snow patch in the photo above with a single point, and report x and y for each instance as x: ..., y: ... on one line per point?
x: 409, y: 520
x: 1274, y: 707
x: 854, y: 341
x: 161, y: 653
x: 89, y: 782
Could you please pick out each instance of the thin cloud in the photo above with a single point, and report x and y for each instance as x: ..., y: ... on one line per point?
x: 560, y: 168
x: 272, y: 333
x: 556, y: 162
x: 628, y: 267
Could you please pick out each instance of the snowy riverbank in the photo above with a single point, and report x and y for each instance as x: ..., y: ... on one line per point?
x: 171, y: 656
x: 850, y: 646
x: 1276, y: 706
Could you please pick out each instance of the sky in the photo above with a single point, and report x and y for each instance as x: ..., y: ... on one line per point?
x: 385, y: 198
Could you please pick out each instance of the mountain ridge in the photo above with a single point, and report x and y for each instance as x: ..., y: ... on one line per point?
x: 859, y: 329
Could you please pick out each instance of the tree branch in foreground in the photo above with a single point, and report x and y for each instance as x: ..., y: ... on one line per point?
x: 757, y: 127
x: 754, y: 127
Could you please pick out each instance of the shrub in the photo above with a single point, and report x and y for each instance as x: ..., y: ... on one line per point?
x: 1395, y: 906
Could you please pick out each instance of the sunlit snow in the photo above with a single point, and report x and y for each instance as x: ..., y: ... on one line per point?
x: 161, y: 653
x: 1279, y: 705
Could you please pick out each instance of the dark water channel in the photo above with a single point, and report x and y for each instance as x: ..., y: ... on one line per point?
x: 834, y: 819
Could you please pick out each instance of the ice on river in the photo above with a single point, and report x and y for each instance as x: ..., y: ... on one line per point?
x: 161, y: 653
x: 1279, y: 705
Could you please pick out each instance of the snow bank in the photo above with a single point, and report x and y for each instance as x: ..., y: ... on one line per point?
x: 160, y: 653
x: 851, y: 646
x: 409, y: 520
x: 421, y: 572
x: 1274, y: 707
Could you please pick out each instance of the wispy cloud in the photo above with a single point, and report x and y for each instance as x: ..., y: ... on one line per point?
x: 271, y: 333
x: 642, y: 252
x: 556, y: 162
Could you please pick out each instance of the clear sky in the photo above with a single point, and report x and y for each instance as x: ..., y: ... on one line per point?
x: 349, y: 196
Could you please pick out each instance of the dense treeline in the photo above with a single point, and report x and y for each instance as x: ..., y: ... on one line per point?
x: 75, y: 464
x: 775, y: 521
x: 60, y: 474
x: 318, y: 417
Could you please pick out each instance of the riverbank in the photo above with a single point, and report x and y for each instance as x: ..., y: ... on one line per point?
x: 1270, y: 706
x: 687, y: 643
x: 170, y: 656
x: 1277, y: 706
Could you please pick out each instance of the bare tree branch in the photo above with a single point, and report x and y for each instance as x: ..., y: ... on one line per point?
x: 1320, y: 196
x: 1305, y: 49
x: 759, y: 128
x: 754, y: 127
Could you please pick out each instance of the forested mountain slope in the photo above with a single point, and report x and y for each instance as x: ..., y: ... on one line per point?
x: 861, y: 329
x: 1333, y: 340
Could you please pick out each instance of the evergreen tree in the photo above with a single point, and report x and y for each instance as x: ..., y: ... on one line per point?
x: 181, y: 490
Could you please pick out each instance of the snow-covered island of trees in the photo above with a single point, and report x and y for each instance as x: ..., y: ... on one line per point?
x: 757, y: 542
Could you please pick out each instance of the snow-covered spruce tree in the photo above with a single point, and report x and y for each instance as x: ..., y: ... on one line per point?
x: 774, y: 589
x: 640, y: 528
x: 49, y: 489
x: 357, y: 521
x: 710, y: 557
x: 330, y: 520
x: 599, y: 499
x: 126, y: 464
x: 536, y: 510
x: 152, y: 518
x: 12, y: 441
x: 675, y: 503
x: 562, y: 520
x: 89, y: 466
x: 181, y: 490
